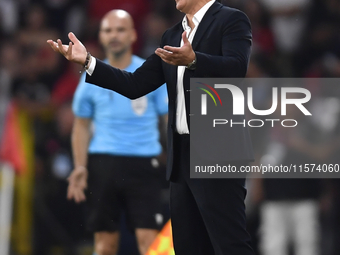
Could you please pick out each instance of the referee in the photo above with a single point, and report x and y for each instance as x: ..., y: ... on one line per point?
x: 115, y: 144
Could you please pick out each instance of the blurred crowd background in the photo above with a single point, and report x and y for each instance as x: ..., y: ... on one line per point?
x: 291, y: 38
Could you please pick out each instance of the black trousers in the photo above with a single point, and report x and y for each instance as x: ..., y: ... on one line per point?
x: 207, y: 215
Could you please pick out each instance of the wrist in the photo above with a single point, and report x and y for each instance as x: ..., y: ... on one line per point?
x: 192, y: 64
x: 87, y: 61
x: 80, y: 167
x: 193, y: 56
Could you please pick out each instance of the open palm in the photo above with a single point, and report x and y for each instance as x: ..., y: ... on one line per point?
x: 75, y: 51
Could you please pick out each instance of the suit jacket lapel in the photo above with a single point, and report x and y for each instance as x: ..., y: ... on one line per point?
x: 205, y: 23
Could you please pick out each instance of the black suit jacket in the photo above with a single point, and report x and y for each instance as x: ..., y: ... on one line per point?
x: 222, y: 44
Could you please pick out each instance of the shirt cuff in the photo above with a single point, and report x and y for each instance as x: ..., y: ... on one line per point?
x: 92, y: 66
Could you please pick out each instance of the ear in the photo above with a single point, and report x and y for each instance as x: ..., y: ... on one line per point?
x: 100, y: 38
x: 134, y: 36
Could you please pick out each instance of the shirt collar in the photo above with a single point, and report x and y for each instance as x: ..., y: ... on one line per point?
x: 198, y: 16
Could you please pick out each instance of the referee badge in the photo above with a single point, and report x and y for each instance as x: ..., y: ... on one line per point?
x: 139, y: 105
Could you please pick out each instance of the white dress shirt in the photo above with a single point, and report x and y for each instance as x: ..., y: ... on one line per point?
x: 181, y: 120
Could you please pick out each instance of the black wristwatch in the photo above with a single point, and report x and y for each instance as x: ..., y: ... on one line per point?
x: 87, y: 60
x: 192, y: 65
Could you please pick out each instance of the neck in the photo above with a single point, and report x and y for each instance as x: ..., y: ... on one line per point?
x: 120, y: 61
x: 190, y: 22
x: 190, y: 14
x: 198, y: 5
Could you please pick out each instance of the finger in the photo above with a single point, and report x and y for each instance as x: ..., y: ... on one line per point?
x: 60, y: 47
x: 166, y: 56
x: 172, y: 49
x: 53, y: 45
x: 69, y: 50
x: 164, y: 51
x: 161, y: 55
x: 166, y: 59
x: 76, y: 195
x: 80, y: 196
x: 73, y: 38
x: 70, y: 193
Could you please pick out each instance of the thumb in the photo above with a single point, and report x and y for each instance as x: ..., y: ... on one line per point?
x: 184, y: 37
x: 73, y: 38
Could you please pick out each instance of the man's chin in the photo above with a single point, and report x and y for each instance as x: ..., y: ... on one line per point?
x: 179, y: 5
x: 117, y: 53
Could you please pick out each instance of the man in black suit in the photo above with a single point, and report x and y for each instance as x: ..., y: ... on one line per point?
x: 208, y: 215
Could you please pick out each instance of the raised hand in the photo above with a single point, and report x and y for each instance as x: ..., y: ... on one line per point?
x: 77, y: 184
x: 75, y: 51
x: 178, y: 56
